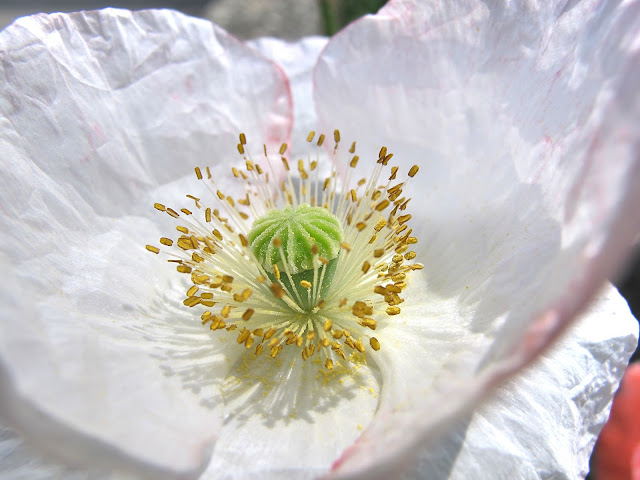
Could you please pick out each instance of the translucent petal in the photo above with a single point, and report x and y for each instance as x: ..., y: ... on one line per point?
x: 545, y: 422
x: 19, y: 460
x: 290, y: 420
x: 103, y: 114
x: 523, y: 120
x: 297, y: 59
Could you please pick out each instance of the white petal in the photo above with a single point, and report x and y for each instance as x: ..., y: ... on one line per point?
x: 287, y: 419
x: 297, y: 59
x: 545, y: 422
x: 524, y: 121
x: 132, y: 100
x: 103, y: 114
x: 19, y: 461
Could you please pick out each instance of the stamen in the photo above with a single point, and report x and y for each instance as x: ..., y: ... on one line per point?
x: 307, y: 262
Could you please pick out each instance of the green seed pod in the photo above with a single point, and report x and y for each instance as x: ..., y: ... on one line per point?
x: 297, y: 229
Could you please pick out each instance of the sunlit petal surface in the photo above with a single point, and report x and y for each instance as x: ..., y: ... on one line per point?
x: 102, y: 114
x: 523, y: 121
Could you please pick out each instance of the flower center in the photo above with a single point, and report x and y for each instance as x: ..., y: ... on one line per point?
x: 319, y: 268
x: 298, y: 247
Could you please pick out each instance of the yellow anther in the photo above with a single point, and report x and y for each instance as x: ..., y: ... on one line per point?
x: 327, y: 325
x: 283, y: 148
x: 369, y: 323
x: 159, y: 206
x: 278, y: 291
x: 243, y: 336
x: 375, y: 344
x: 382, y: 205
x: 191, y: 301
x: 413, y: 171
x: 192, y: 291
x: 153, y: 249
x: 305, y: 284
x: 310, y: 136
x: 243, y: 139
x: 247, y: 315
x: 328, y: 364
x: 320, y: 140
x: 392, y: 310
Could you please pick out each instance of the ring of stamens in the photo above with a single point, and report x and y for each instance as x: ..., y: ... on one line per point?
x: 238, y: 294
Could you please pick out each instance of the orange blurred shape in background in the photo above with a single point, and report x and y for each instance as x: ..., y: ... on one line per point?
x: 617, y: 451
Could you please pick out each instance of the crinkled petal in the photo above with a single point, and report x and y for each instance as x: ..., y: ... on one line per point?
x: 544, y: 423
x: 289, y: 419
x: 545, y: 420
x: 103, y: 114
x: 523, y: 119
x: 19, y: 461
x: 297, y: 59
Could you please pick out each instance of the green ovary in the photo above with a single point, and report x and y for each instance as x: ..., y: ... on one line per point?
x: 298, y: 230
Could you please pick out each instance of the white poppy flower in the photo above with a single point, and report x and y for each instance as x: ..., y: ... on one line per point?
x: 523, y: 121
